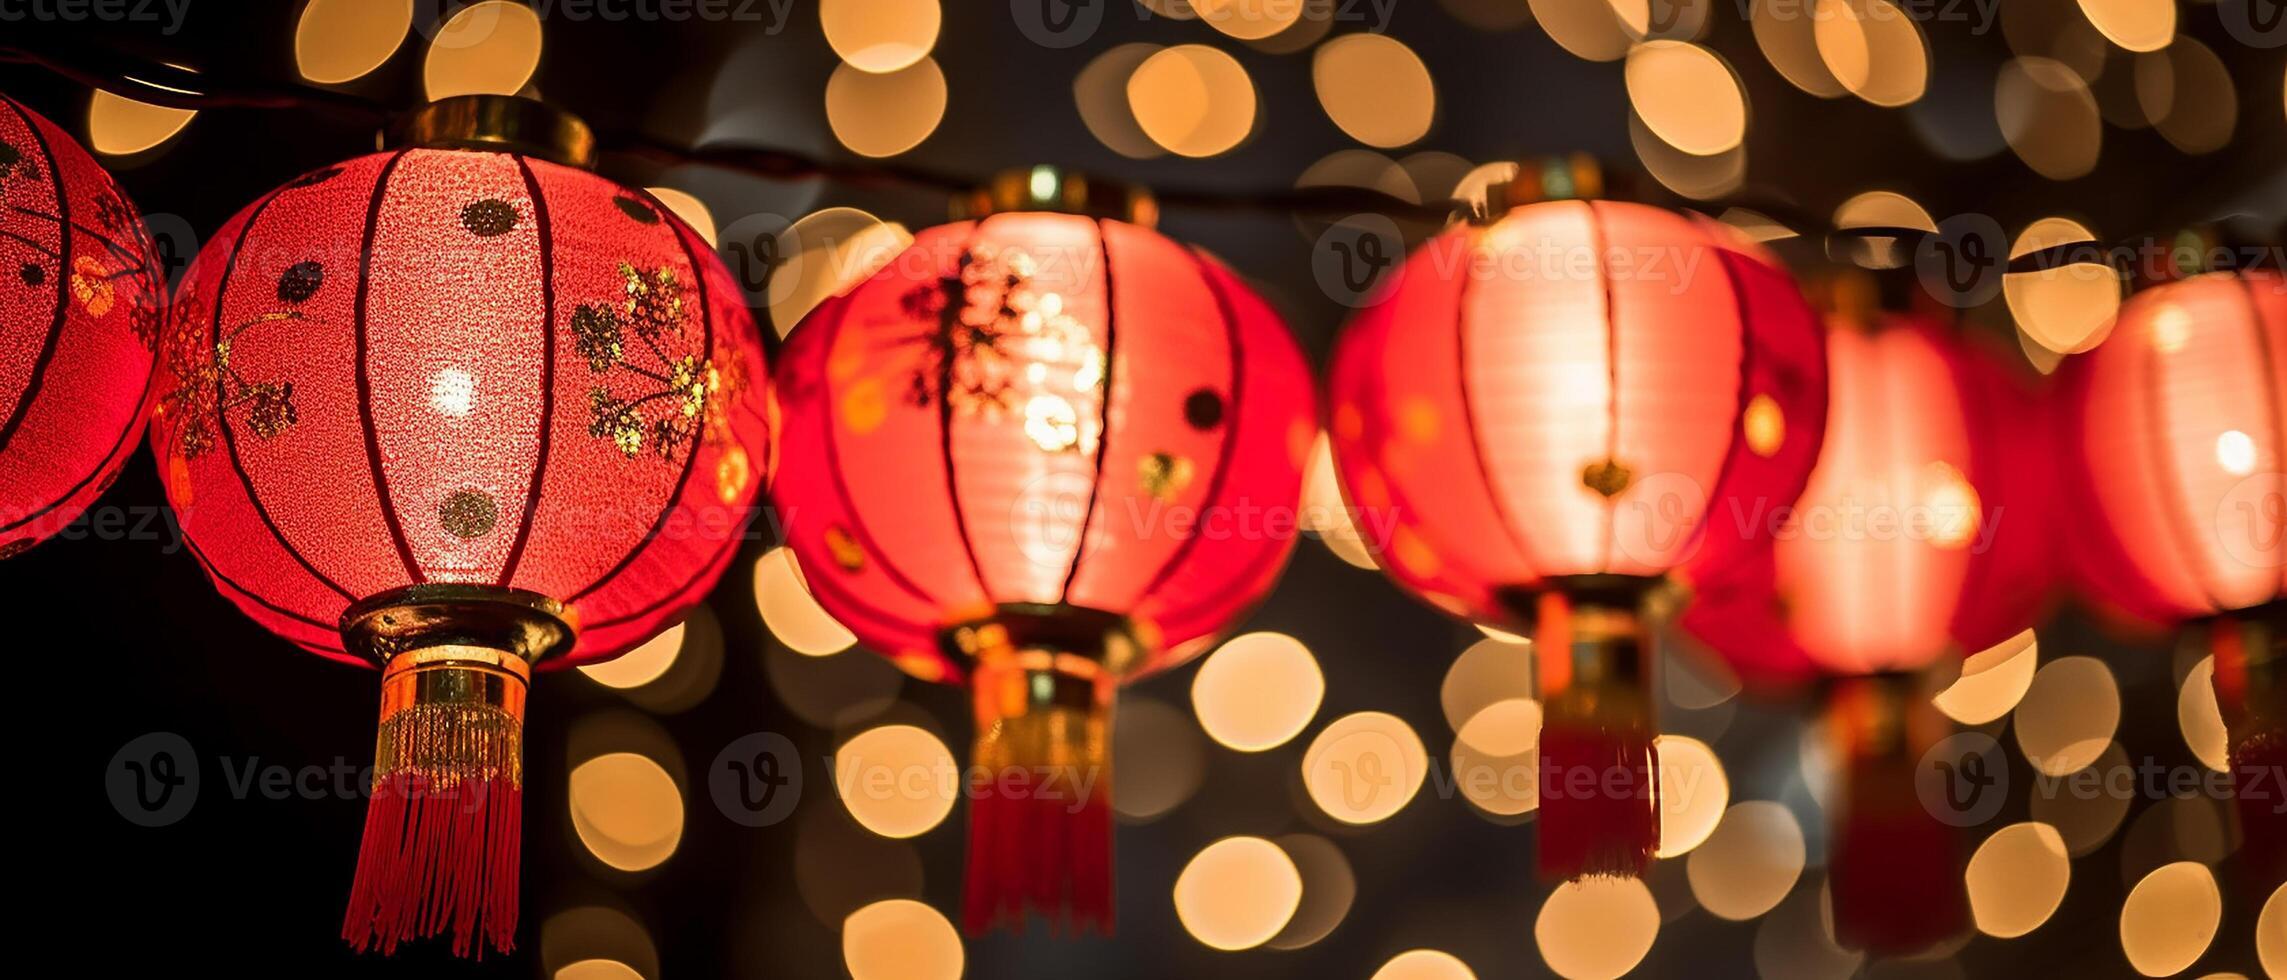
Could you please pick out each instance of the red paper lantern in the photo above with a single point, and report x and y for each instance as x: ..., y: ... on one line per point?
x: 2177, y: 422
x: 442, y: 411
x: 1042, y: 454
x: 81, y: 298
x: 1924, y: 533
x: 1550, y: 412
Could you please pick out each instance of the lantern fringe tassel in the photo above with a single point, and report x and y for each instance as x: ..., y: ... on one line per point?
x: 1600, y: 771
x: 1896, y: 870
x: 1040, y: 836
x: 443, y: 829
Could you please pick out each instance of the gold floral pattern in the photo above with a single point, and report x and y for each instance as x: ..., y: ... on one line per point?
x: 646, y: 334
x: 208, y: 386
x: 121, y: 268
x: 995, y: 345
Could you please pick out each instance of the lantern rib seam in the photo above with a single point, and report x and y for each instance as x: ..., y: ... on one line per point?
x: 222, y: 421
x: 364, y: 376
x: 2164, y: 467
x: 546, y: 243
x: 945, y: 429
x: 1461, y: 386
x: 1596, y: 244
x: 1231, y: 427
x: 119, y: 447
x: 63, y: 283
x: 1745, y: 395
x: 691, y: 462
x: 2270, y: 371
x: 832, y: 441
x: 217, y: 574
x: 1103, y: 413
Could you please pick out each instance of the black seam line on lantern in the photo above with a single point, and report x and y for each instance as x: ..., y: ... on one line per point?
x: 1494, y: 498
x: 1103, y: 413
x: 546, y: 243
x: 2270, y: 366
x: 2165, y: 472
x: 945, y: 414
x: 396, y: 527
x: 1231, y: 420
x: 63, y: 284
x: 716, y: 561
x: 1731, y: 457
x: 332, y: 627
x: 120, y: 447
x: 840, y: 315
x: 674, y: 499
x: 1609, y: 504
x: 221, y: 410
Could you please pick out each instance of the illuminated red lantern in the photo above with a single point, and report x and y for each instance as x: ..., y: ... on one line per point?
x: 1552, y: 411
x: 1924, y: 534
x: 455, y: 414
x: 81, y: 299
x: 2177, y: 422
x: 1042, y: 454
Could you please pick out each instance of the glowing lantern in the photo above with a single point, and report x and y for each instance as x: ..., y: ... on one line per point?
x: 1042, y: 454
x: 1554, y: 410
x: 1923, y: 534
x: 2177, y: 422
x: 454, y: 414
x: 81, y: 299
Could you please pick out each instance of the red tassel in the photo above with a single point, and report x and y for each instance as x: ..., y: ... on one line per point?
x: 2259, y: 774
x: 1600, y: 774
x: 1600, y: 804
x: 1895, y: 868
x: 433, y: 860
x: 1040, y: 837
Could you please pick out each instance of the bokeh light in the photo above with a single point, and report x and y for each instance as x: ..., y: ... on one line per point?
x: 2067, y: 309
x: 342, y: 40
x: 2017, y: 878
x: 2271, y: 933
x: 2201, y: 718
x: 1248, y: 20
x: 880, y: 35
x: 885, y: 114
x: 2196, y: 107
x: 2138, y: 25
x: 1237, y: 893
x: 597, y: 970
x: 641, y: 665
x: 119, y: 126
x: 1687, y: 95
x: 1992, y: 680
x: 1587, y: 28
x: 2068, y: 715
x: 1192, y: 99
x: 1872, y: 49
x: 1162, y: 758
x: 1364, y: 767
x: 1496, y: 757
x: 1257, y: 691
x: 2048, y: 117
x: 2086, y: 810
x: 1789, y: 41
x: 488, y: 48
x: 626, y: 809
x: 1694, y: 793
x: 1329, y: 889
x: 824, y: 251
x: 1424, y: 964
x: 792, y: 615
x: 1597, y: 928
x: 898, y: 781
x: 1749, y: 863
x: 1796, y: 940
x: 688, y: 207
x: 1324, y: 512
x: 900, y: 939
x: 2170, y: 918
x: 1100, y: 91
x: 1375, y: 89
x: 1489, y: 672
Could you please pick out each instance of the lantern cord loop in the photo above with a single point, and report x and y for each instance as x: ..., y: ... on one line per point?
x: 1896, y: 870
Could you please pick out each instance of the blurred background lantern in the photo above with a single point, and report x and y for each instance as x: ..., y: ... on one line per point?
x: 81, y: 298
x: 455, y: 413
x: 1924, y: 534
x: 2175, y: 434
x: 1554, y: 409
x: 1042, y: 454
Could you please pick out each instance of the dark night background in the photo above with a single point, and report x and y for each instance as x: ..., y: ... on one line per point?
x: 115, y: 638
